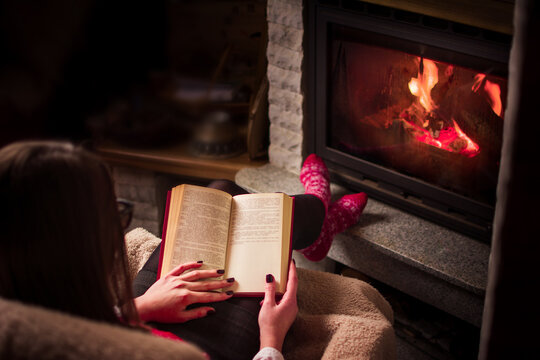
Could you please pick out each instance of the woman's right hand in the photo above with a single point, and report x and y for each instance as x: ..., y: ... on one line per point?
x: 167, y: 299
x: 275, y: 318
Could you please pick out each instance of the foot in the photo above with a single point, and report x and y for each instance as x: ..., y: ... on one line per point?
x: 341, y: 215
x: 315, y: 178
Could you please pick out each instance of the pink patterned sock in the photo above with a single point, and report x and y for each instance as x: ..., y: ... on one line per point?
x: 341, y: 215
x: 315, y: 178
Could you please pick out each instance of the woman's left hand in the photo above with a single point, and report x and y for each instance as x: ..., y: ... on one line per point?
x: 167, y: 299
x: 275, y: 318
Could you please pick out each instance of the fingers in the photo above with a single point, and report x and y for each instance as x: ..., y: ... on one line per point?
x: 269, y: 291
x: 292, y: 282
x: 190, y: 280
x: 207, y: 297
x: 184, y: 267
x: 209, y: 285
x: 290, y: 293
x: 201, y: 274
x: 195, y: 274
x: 196, y: 313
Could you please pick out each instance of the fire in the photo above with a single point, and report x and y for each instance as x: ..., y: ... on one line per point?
x: 451, y: 138
x: 478, y: 82
x: 492, y: 90
x: 427, y: 126
x: 472, y: 148
x: 422, y: 85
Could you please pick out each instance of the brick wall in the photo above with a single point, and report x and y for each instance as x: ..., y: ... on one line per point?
x: 285, y: 97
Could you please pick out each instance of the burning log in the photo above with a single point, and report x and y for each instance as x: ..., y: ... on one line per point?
x: 463, y: 117
x: 475, y: 116
x: 431, y: 121
x: 432, y: 129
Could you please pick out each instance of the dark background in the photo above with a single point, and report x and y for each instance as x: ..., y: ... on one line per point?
x: 62, y: 61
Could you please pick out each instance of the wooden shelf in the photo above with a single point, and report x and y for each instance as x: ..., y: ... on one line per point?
x: 176, y: 160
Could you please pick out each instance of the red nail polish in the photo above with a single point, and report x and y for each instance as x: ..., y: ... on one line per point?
x: 230, y: 292
x: 269, y: 278
x: 230, y: 279
x: 221, y: 271
x: 199, y: 262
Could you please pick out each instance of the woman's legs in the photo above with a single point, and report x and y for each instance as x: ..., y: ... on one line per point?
x: 315, y: 178
x: 339, y: 215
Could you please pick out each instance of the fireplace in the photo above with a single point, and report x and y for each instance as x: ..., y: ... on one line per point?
x: 408, y: 108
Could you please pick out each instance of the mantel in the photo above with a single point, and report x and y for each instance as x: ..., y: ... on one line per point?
x: 176, y: 160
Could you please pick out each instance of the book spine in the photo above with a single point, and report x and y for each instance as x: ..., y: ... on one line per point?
x: 291, y: 238
x: 292, y: 229
x: 164, y: 233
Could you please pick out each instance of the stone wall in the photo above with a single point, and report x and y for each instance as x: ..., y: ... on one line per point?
x: 285, y: 97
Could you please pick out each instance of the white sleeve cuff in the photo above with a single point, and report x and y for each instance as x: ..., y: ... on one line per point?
x: 268, y: 353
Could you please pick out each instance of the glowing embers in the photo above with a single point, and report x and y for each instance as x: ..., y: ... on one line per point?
x: 426, y: 122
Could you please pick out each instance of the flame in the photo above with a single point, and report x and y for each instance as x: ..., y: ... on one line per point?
x: 422, y: 85
x: 478, y: 78
x: 492, y: 90
x: 472, y: 148
x: 451, y: 138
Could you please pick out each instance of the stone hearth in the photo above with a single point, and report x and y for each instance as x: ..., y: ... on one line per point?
x: 431, y: 263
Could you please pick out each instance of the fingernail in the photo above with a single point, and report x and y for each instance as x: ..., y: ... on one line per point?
x: 294, y: 261
x: 230, y: 292
x: 221, y: 271
x: 210, y: 312
x: 199, y: 262
x: 230, y: 279
x: 269, y: 278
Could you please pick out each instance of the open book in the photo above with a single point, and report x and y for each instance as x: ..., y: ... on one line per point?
x: 247, y: 235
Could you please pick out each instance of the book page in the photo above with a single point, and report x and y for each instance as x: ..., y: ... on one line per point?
x: 201, y: 229
x: 256, y: 245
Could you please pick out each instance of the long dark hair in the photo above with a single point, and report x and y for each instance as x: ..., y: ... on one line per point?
x: 61, y: 243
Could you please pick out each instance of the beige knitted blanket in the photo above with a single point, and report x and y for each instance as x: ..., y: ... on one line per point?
x: 338, y: 318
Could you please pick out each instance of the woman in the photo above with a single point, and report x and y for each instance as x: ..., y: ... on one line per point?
x: 63, y: 248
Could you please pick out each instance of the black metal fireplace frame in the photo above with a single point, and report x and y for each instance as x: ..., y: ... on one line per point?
x: 457, y: 43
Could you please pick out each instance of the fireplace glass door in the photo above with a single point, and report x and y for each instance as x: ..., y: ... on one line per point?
x: 432, y: 120
x: 410, y: 114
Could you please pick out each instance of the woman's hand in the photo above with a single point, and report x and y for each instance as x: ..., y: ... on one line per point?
x: 275, y: 318
x: 166, y: 300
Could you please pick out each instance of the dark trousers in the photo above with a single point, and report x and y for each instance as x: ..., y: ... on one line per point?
x: 232, y: 332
